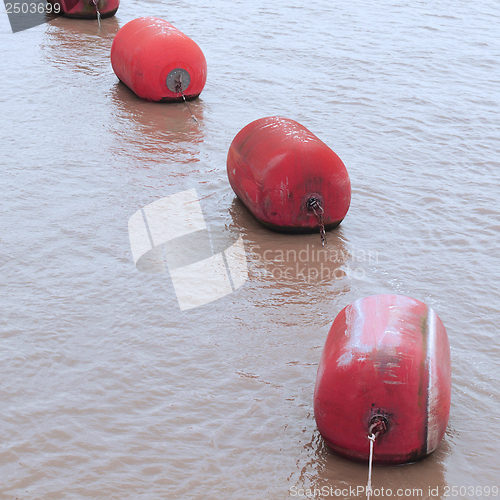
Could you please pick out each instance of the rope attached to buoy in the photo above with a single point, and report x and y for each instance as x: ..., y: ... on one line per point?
x: 179, y: 90
x: 189, y: 109
x: 94, y: 3
x: 315, y: 205
x: 378, y: 425
x: 372, y: 438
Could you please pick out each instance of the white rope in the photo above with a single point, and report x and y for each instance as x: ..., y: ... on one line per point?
x: 372, y: 438
x: 94, y: 3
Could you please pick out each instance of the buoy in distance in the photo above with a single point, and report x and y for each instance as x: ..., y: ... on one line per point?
x: 157, y: 61
x: 87, y: 9
x: 386, y: 361
x: 279, y: 169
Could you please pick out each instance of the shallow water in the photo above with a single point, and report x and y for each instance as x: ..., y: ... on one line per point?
x: 109, y: 390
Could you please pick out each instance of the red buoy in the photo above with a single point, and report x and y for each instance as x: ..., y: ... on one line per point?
x: 284, y: 174
x: 87, y: 9
x: 385, y: 365
x: 157, y: 61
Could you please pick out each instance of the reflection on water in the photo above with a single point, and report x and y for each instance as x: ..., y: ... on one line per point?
x: 291, y: 259
x: 80, y: 44
x: 168, y: 124
x: 325, y: 471
x: 153, y: 132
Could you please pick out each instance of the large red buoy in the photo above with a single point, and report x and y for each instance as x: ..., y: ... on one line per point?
x: 385, y: 369
x: 157, y: 61
x: 87, y: 9
x: 286, y: 176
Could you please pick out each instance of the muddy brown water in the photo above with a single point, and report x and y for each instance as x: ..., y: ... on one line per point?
x: 109, y: 389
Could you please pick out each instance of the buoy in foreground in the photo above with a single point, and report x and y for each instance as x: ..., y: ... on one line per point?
x: 157, y: 61
x: 287, y: 177
x: 385, y: 370
x: 87, y: 9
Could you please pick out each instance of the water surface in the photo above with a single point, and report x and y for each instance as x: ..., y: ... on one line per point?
x: 108, y: 389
